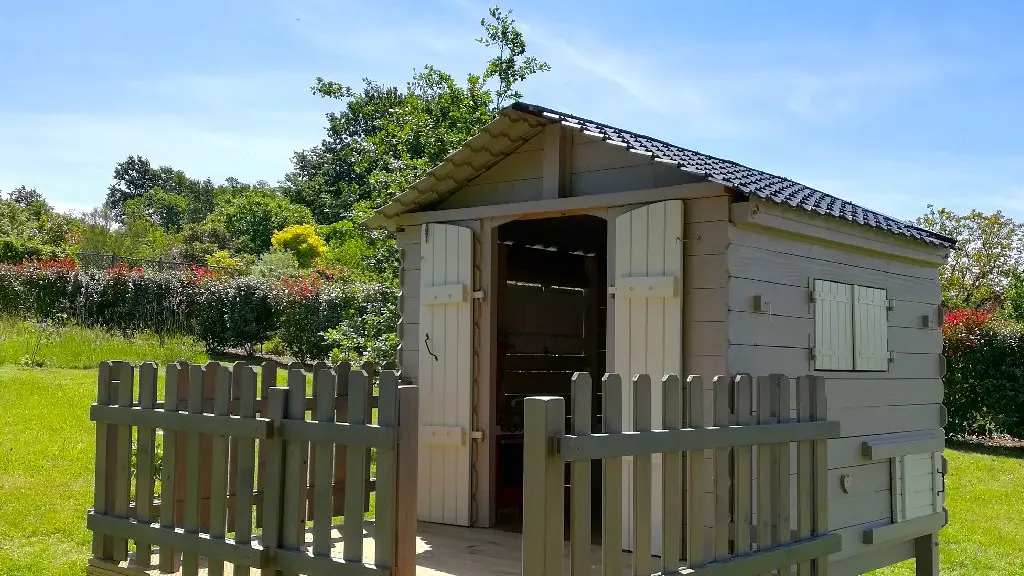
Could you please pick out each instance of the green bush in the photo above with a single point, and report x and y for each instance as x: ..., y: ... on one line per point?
x: 239, y: 313
x: 308, y: 309
x: 18, y: 251
x: 984, y: 382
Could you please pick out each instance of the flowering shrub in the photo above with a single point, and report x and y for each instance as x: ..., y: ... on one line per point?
x: 984, y: 382
x: 302, y: 241
x: 310, y: 315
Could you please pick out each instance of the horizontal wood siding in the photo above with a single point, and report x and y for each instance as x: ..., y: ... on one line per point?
x: 601, y: 168
x: 408, y: 241
x: 517, y: 178
x: 904, y: 399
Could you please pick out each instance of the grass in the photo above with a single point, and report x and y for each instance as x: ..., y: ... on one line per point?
x: 985, y: 534
x: 47, y: 450
x: 72, y: 346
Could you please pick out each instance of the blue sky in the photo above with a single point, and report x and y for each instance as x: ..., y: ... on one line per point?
x: 891, y: 106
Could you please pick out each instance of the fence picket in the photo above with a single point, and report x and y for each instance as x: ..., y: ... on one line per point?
x: 236, y: 371
x: 125, y: 374
x: 611, y: 480
x: 805, y: 470
x: 781, y: 466
x: 695, y: 521
x: 408, y: 461
x: 102, y: 545
x: 219, y: 466
x: 579, y: 505
x: 324, y: 392
x: 819, y: 413
x: 387, y: 473
x: 196, y: 377
x: 543, y: 480
x: 168, y: 471
x: 671, y: 477
x: 642, y: 479
x: 343, y: 371
x: 355, y: 487
x: 764, y: 466
x: 310, y: 488
x: 275, y: 400
x: 293, y: 502
x: 721, y: 386
x: 245, y: 379
x: 145, y: 469
x: 742, y: 476
x: 268, y: 380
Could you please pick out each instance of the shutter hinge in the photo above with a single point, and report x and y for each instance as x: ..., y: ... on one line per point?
x: 812, y: 295
x: 890, y: 305
x: 813, y: 353
x: 478, y: 295
x: 892, y: 355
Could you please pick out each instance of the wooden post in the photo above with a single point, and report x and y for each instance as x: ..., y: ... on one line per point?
x: 580, y: 527
x: 543, y: 477
x: 268, y: 380
x: 408, y: 463
x: 926, y: 555
x: 342, y: 370
x: 611, y: 481
x: 764, y: 466
x: 125, y: 375
x: 781, y: 464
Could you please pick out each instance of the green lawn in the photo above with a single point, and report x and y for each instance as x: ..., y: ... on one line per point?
x: 75, y: 347
x: 985, y: 534
x: 46, y: 461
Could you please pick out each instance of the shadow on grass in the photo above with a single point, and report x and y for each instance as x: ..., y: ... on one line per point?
x: 1004, y: 446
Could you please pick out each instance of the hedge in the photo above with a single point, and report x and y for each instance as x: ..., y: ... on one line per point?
x: 984, y: 381
x: 305, y: 314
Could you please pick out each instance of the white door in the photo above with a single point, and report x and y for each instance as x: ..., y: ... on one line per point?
x: 648, y: 324
x: 445, y: 359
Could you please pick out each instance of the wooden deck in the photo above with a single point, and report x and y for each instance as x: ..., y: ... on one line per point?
x: 441, y: 551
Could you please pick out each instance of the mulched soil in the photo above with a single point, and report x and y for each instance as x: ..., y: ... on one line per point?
x: 994, y: 441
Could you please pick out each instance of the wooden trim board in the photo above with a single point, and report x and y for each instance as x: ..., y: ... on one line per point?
x: 562, y: 205
x: 905, y: 530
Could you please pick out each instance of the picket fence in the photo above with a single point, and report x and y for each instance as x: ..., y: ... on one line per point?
x: 253, y: 468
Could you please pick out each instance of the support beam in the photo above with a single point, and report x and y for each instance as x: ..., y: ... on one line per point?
x: 561, y: 206
x: 557, y: 161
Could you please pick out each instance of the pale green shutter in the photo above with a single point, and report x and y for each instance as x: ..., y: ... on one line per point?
x: 833, y: 326
x: 871, y: 329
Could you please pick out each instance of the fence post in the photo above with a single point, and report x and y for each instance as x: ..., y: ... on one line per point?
x: 820, y: 412
x: 543, y: 491
x: 102, y: 545
x: 408, y: 476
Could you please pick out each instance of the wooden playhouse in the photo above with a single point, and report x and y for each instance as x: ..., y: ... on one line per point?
x: 550, y: 244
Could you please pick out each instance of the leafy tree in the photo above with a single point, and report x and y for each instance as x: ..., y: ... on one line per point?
x: 386, y: 136
x: 988, y: 254
x: 163, y: 209
x: 302, y: 241
x: 135, y: 177
x: 511, y: 66
x: 252, y: 218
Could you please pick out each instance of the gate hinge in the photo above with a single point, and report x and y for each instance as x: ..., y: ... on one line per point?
x: 476, y: 435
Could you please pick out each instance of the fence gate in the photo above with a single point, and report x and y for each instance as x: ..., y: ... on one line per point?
x: 216, y: 474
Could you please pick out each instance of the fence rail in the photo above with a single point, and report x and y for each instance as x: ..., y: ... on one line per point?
x: 102, y: 261
x: 252, y: 467
x: 749, y: 432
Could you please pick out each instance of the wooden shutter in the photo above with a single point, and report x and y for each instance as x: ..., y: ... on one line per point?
x: 445, y: 360
x: 647, y: 323
x: 870, y: 329
x: 917, y: 485
x: 833, y: 326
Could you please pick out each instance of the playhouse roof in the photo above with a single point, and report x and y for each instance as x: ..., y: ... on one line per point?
x: 521, y: 121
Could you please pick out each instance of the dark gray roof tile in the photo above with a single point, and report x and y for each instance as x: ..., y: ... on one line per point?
x: 742, y: 178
